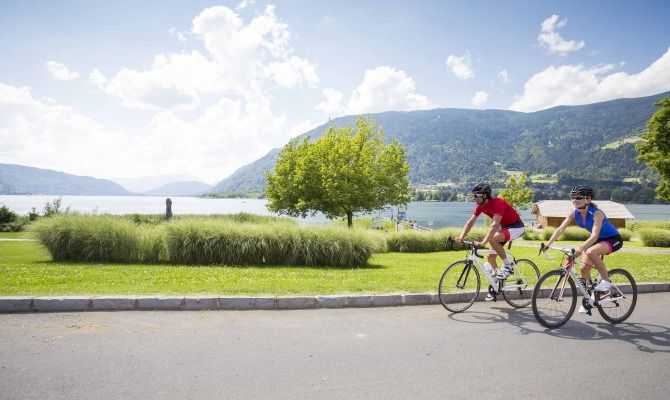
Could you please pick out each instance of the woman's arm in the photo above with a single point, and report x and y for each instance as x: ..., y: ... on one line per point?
x: 559, y: 231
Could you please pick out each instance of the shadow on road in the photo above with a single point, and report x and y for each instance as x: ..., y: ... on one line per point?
x: 645, y: 337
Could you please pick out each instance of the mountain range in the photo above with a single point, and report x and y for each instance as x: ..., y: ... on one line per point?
x: 22, y: 180
x: 450, y: 147
x: 458, y: 147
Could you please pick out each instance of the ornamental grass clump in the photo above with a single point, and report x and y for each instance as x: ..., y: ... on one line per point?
x: 655, y: 237
x: 223, y: 242
x: 427, y: 242
x: 75, y: 237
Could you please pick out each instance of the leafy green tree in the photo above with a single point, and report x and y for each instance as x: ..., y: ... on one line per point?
x: 516, y: 193
x: 6, y: 215
x: 345, y: 171
x: 654, y: 149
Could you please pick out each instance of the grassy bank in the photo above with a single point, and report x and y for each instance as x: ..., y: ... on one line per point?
x: 26, y: 268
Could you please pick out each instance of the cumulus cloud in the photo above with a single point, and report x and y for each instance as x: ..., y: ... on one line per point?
x: 480, y: 98
x: 460, y: 66
x: 386, y: 89
x: 550, y: 38
x: 240, y: 59
x: 244, y: 4
x: 577, y: 84
x: 60, y: 71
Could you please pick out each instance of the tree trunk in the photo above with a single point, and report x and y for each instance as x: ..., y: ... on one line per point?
x: 350, y: 219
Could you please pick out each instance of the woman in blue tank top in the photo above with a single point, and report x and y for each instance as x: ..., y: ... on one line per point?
x: 604, y: 239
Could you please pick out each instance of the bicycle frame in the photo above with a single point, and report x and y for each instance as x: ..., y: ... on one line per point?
x: 569, y: 268
x: 474, y: 256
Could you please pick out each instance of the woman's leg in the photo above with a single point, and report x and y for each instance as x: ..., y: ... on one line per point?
x: 592, y: 256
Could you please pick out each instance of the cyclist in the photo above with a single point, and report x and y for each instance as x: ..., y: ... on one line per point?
x: 507, y: 225
x: 604, y: 238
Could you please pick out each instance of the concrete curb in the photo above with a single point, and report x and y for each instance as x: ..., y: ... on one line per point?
x: 30, y: 304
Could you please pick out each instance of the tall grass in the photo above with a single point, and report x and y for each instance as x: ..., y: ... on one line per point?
x: 75, y: 237
x: 239, y: 240
x: 426, y: 242
x: 190, y: 241
x: 655, y: 237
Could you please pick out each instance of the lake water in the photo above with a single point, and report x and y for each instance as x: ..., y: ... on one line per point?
x: 431, y: 214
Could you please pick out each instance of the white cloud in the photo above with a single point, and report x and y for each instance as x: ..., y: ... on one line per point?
x: 332, y: 103
x: 550, y: 39
x: 503, y: 76
x: 241, y: 59
x: 97, y: 78
x: 244, y: 4
x: 460, y: 66
x: 480, y: 98
x: 386, y: 89
x: 577, y: 84
x: 60, y: 71
x: 225, y: 136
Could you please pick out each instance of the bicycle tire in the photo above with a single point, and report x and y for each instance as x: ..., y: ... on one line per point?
x: 521, y: 297
x: 613, y: 312
x: 454, y: 298
x: 550, y: 282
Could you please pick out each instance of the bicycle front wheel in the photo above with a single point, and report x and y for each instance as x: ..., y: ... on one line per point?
x: 551, y: 308
x: 459, y: 286
x: 618, y: 303
x: 518, y: 289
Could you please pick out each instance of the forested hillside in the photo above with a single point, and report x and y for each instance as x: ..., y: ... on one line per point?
x: 458, y: 147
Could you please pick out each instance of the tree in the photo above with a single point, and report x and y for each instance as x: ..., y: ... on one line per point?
x: 343, y: 172
x: 654, y: 149
x: 516, y: 193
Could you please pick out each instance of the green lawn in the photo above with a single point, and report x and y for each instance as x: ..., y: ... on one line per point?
x: 26, y: 269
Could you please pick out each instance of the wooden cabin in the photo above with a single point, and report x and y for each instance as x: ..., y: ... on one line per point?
x: 553, y: 212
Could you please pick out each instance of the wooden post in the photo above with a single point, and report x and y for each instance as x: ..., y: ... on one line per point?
x: 168, y: 208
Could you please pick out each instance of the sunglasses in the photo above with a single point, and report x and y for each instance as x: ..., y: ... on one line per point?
x: 577, y: 198
x: 477, y: 195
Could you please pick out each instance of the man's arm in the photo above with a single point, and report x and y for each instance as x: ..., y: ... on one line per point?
x: 466, y: 228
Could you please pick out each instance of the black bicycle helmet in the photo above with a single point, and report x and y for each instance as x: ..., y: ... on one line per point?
x: 482, y: 188
x: 580, y: 190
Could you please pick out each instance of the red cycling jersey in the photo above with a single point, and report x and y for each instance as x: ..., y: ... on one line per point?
x: 498, y: 206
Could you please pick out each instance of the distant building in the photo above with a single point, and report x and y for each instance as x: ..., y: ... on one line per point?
x: 553, y: 212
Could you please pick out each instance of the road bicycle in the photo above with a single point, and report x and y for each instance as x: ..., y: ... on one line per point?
x: 555, y: 296
x: 460, y: 282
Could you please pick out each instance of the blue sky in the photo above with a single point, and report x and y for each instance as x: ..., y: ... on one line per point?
x: 140, y: 88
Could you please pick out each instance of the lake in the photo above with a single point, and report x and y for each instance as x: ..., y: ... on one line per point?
x: 431, y: 214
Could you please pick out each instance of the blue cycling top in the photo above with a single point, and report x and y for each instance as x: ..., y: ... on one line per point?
x: 607, y: 230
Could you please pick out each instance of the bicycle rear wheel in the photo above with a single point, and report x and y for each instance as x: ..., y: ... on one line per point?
x: 459, y: 286
x: 518, y: 289
x: 619, y: 302
x: 550, y: 308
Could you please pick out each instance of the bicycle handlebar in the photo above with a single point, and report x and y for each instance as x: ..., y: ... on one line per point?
x: 570, y: 252
x: 474, y: 247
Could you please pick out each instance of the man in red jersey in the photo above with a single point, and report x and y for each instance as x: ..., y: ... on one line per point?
x: 506, y: 226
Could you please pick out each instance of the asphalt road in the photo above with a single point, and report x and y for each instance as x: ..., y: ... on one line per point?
x: 490, y: 351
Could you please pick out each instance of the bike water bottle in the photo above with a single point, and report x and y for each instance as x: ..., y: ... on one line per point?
x: 489, y: 269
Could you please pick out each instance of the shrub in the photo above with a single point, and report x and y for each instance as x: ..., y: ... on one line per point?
x: 625, y: 234
x: 575, y: 233
x: 547, y: 232
x: 6, y: 215
x: 655, y: 237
